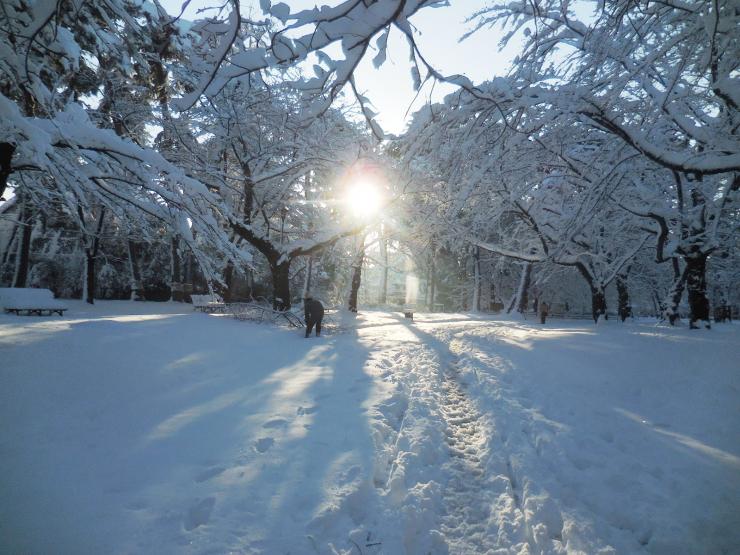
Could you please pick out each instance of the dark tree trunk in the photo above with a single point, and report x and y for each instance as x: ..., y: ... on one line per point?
x: 307, y: 277
x: 280, y: 285
x: 623, y: 299
x: 658, y: 308
x: 428, y: 288
x: 137, y: 287
x: 478, y: 280
x: 356, y: 282
x: 384, y: 251
x: 91, y: 254
x: 523, y: 291
x: 90, y: 277
x: 432, y: 283
x: 226, y: 290
x: 598, y: 298
x: 23, y: 258
x: 6, y: 155
x: 598, y: 303
x: 176, y: 293
x: 675, y: 293
x: 11, y: 243
x: 188, y: 277
x: 696, y: 285
x: 23, y: 254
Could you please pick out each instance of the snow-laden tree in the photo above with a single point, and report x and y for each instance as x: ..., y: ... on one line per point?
x: 536, y: 197
x: 278, y: 173
x: 54, y: 63
x: 661, y: 77
x: 357, y: 27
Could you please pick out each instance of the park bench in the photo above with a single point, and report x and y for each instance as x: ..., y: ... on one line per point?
x: 208, y: 303
x: 30, y: 301
x: 558, y: 310
x: 723, y: 313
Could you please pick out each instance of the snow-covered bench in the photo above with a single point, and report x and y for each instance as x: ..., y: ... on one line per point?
x: 208, y: 303
x: 30, y: 301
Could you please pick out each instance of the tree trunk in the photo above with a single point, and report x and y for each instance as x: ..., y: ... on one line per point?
x: 188, y: 276
x: 658, y: 309
x: 225, y: 291
x: 522, y: 294
x: 6, y: 155
x: 137, y: 288
x: 598, y: 303
x: 10, y: 245
x: 175, y: 281
x: 384, y: 253
x: 432, y: 281
x: 598, y: 298
x: 307, y: 277
x: 23, y: 256
x: 428, y: 287
x: 91, y: 254
x: 89, y: 277
x: 477, y: 278
x: 356, y: 281
x: 623, y: 299
x: 675, y: 293
x: 280, y: 285
x: 696, y: 286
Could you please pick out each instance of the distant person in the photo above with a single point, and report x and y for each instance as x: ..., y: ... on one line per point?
x: 314, y: 314
x: 544, y: 310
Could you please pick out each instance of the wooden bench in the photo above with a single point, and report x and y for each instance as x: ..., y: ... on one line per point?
x: 30, y: 301
x: 208, y: 303
x: 723, y: 313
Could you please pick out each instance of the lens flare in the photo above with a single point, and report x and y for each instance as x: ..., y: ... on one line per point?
x: 364, y: 199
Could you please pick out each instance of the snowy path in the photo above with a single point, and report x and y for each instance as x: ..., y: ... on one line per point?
x: 466, y: 508
x: 136, y: 427
x: 551, y: 451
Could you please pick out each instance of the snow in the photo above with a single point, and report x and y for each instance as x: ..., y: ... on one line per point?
x: 146, y: 427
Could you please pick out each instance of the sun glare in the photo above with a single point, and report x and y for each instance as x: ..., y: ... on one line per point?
x: 363, y: 199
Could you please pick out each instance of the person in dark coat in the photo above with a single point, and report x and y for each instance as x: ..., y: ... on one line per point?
x: 314, y: 314
x: 544, y: 311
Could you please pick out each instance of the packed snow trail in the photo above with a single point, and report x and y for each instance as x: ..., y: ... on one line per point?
x: 466, y: 510
x: 476, y: 510
x: 541, y: 456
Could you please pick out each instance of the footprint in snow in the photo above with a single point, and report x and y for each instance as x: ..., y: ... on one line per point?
x: 607, y: 436
x: 263, y: 444
x: 199, y: 514
x: 137, y: 505
x: 209, y: 473
x: 275, y: 423
x: 301, y: 411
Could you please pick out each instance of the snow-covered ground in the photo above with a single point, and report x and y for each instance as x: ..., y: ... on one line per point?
x: 146, y: 428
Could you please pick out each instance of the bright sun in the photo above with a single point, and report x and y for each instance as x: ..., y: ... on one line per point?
x: 364, y: 199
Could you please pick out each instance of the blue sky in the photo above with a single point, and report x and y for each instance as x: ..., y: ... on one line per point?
x: 390, y: 87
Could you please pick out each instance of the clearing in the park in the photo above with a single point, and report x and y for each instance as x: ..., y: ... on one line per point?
x: 369, y: 277
x: 151, y: 428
